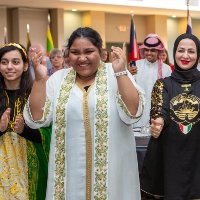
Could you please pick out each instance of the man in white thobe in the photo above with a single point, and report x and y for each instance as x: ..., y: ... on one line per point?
x: 148, y: 70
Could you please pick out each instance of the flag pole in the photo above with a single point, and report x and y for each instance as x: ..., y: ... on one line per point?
x: 5, y: 30
x: 132, y: 14
x: 188, y: 9
x: 28, y: 28
x: 50, y: 44
x: 133, y: 48
x: 189, y: 20
x: 28, y: 41
x: 5, y: 36
x: 49, y: 20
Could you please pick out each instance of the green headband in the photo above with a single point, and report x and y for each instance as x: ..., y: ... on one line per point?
x: 15, y: 45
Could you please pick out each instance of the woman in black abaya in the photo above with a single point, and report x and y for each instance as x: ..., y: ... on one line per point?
x: 171, y: 166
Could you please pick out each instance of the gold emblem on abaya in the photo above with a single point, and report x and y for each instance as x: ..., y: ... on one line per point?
x: 184, y: 109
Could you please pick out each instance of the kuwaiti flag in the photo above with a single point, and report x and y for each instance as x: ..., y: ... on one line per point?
x: 133, y: 49
x: 50, y: 44
x: 185, y: 128
x: 189, y: 23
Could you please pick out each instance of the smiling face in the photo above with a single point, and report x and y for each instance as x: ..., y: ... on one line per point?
x: 57, y: 60
x: 84, y: 57
x: 12, y: 67
x: 186, y: 54
x: 151, y: 55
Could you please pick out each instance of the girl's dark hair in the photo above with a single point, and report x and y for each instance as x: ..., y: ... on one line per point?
x: 108, y: 57
x: 167, y: 61
x: 26, y: 78
x: 88, y: 33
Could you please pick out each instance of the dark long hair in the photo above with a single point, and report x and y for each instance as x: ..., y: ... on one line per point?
x: 89, y: 33
x: 108, y: 57
x: 167, y: 61
x: 26, y: 78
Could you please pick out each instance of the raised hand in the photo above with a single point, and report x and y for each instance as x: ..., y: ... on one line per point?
x: 5, y: 120
x: 156, y: 126
x: 118, y: 56
x: 39, y: 64
x: 19, y: 124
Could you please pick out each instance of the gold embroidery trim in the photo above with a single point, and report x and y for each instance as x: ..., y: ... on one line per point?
x: 14, y: 169
x: 17, y: 111
x: 46, y: 111
x: 125, y: 109
x: 88, y: 137
x: 156, y: 99
x: 13, y: 159
x: 101, y: 136
x: 60, y: 134
x: 155, y: 195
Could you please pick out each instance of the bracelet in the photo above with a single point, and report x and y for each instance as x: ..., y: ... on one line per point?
x: 120, y: 73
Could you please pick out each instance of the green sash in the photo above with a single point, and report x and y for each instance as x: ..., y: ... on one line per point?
x: 37, y: 157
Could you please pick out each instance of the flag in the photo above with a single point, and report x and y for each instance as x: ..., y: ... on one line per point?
x: 50, y: 44
x: 189, y: 22
x: 28, y: 41
x: 133, y: 49
x: 5, y: 40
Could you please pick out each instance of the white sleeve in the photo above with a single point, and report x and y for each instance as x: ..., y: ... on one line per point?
x: 48, y: 109
x: 124, y: 113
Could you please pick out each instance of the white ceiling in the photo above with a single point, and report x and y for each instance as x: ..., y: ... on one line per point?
x: 139, y: 7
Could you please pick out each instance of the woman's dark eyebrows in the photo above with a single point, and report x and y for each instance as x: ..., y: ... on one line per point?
x: 11, y: 59
x: 90, y: 48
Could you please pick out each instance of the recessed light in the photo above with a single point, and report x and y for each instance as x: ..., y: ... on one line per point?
x: 174, y: 16
x: 74, y: 9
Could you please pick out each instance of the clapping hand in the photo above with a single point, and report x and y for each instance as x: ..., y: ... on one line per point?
x: 19, y: 124
x: 5, y: 120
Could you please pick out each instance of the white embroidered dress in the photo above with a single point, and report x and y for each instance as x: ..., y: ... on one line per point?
x: 93, y: 152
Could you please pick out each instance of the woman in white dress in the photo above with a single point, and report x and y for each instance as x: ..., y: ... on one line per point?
x: 92, y: 106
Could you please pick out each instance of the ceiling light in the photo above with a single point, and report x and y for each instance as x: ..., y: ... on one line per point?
x: 74, y: 9
x: 174, y: 16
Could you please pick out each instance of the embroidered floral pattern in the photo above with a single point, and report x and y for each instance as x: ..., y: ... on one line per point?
x: 33, y: 165
x: 13, y: 160
x: 46, y: 110
x: 13, y: 167
x: 156, y: 99
x: 60, y: 124
x: 101, y: 135
x: 124, y: 108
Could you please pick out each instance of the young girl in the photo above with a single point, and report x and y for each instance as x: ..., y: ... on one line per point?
x: 23, y: 161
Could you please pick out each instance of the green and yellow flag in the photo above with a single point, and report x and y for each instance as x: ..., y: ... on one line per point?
x: 50, y: 44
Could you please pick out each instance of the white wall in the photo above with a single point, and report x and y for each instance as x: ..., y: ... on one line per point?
x: 172, y: 34
x: 3, y: 23
x: 72, y: 21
